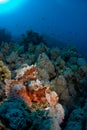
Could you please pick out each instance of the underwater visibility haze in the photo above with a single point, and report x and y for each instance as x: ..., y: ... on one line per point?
x: 62, y: 20
x: 43, y: 64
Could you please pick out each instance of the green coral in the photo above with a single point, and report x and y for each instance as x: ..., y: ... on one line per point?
x: 4, y: 71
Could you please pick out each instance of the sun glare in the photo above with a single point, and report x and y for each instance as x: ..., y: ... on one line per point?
x: 7, y: 6
x: 3, y: 1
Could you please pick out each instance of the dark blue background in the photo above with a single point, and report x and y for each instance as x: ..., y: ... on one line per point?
x: 62, y: 20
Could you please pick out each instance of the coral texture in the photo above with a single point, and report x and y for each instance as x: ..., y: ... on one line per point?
x: 17, y: 86
x: 27, y: 87
x: 56, y: 110
x: 4, y: 72
x: 46, y: 70
x: 15, y: 115
x: 63, y: 70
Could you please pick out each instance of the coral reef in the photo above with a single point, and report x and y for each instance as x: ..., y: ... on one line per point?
x: 56, y: 110
x: 2, y: 91
x: 46, y: 70
x: 31, y: 37
x: 54, y: 53
x: 41, y: 48
x: 4, y: 72
x: 17, y: 86
x: 15, y: 115
x: 62, y: 70
x: 78, y: 118
x: 75, y: 120
x: 27, y: 88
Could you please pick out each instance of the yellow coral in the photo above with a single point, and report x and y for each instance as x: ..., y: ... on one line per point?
x: 4, y: 72
x: 1, y: 63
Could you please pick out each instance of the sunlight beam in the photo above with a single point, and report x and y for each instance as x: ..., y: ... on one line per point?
x: 3, y: 1
x: 7, y: 6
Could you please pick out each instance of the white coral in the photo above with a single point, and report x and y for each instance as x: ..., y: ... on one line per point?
x: 57, y: 114
x: 56, y: 111
x: 60, y: 113
x: 20, y: 72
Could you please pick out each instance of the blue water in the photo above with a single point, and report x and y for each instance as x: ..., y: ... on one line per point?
x: 58, y: 20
